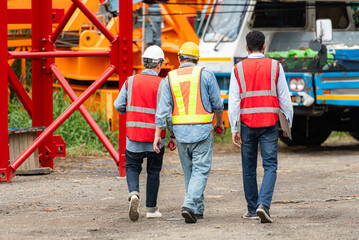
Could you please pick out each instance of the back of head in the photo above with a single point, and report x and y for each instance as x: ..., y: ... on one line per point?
x: 255, y: 41
x: 152, y: 56
x: 189, y: 51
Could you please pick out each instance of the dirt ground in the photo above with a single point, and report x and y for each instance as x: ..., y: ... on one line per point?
x: 316, y: 197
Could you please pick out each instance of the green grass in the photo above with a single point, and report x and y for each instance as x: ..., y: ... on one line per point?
x: 225, y: 138
x: 75, y: 131
x: 335, y: 137
x: 81, y: 140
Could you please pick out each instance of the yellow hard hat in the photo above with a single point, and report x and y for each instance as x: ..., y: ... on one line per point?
x: 190, y: 49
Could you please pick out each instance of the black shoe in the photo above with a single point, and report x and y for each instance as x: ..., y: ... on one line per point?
x: 199, y: 216
x: 189, y: 216
x: 263, y: 213
x: 249, y: 215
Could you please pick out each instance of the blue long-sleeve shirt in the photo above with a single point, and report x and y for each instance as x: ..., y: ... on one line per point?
x: 234, y: 100
x: 212, y: 102
x: 120, y: 105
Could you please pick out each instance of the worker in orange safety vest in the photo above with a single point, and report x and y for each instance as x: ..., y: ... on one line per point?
x: 139, y: 98
x: 258, y: 92
x: 191, y: 95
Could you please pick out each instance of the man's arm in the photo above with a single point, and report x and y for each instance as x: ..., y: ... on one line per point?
x: 285, y: 103
x: 234, y: 103
x: 163, y: 111
x: 214, y: 94
x: 121, y: 100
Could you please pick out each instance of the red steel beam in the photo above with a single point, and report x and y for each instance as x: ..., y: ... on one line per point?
x: 53, y: 126
x: 21, y: 16
x: 6, y: 173
x: 42, y: 92
x: 124, y: 68
x: 21, y: 93
x: 66, y: 86
x: 62, y: 24
x: 97, y: 22
x: 53, y: 54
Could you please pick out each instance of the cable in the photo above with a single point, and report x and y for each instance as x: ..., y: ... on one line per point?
x: 241, y: 4
x: 243, y: 11
x: 294, y: 7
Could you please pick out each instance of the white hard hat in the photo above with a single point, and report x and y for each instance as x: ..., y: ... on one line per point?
x: 154, y: 52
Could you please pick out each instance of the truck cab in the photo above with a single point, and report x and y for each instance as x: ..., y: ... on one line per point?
x: 322, y: 76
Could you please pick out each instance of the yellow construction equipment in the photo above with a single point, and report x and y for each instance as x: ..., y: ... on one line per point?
x: 80, y: 35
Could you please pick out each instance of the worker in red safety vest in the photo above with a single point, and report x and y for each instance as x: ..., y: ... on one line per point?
x: 258, y: 92
x: 138, y: 98
x: 190, y: 96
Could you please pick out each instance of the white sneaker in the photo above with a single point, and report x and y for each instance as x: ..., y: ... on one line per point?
x: 156, y: 214
x: 133, y: 211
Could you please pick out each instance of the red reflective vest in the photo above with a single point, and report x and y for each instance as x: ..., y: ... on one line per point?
x: 143, y: 95
x: 257, y: 80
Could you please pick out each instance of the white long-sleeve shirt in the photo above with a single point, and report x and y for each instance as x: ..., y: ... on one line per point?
x: 234, y: 100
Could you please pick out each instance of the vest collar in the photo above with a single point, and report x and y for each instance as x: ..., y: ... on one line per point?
x: 149, y: 72
x: 256, y: 55
x: 187, y: 65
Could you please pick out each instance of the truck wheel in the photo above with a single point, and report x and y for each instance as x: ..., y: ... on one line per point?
x: 307, y: 132
x: 355, y: 135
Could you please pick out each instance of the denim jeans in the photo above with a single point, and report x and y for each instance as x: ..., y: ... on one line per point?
x: 133, y: 169
x: 196, y: 161
x: 267, y: 137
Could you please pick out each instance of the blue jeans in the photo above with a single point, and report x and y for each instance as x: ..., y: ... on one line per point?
x: 196, y: 161
x: 267, y: 137
x: 133, y: 169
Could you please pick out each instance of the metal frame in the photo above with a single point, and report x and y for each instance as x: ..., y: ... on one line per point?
x: 43, y: 55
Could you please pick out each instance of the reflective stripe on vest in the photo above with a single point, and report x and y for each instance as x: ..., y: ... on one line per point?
x: 141, y: 125
x: 259, y: 101
x: 195, y: 112
x: 260, y: 110
x: 141, y: 107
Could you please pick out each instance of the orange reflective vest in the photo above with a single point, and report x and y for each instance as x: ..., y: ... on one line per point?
x: 143, y: 95
x: 257, y: 80
x: 185, y: 86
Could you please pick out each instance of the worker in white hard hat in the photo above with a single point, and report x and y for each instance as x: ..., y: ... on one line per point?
x: 191, y: 96
x: 138, y: 98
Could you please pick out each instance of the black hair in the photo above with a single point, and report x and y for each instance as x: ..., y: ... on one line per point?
x: 184, y: 58
x: 255, y: 41
x: 149, y: 63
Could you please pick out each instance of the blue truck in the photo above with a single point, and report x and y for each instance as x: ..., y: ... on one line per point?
x: 321, y: 63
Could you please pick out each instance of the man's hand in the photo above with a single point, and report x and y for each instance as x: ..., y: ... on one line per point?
x: 157, y: 144
x: 158, y: 141
x: 236, y: 138
x: 219, y: 128
x: 285, y: 134
x: 172, y: 144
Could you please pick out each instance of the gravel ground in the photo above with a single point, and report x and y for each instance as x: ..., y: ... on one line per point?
x: 316, y: 197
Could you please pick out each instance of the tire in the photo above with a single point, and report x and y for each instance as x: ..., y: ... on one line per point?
x: 307, y: 132
x: 355, y: 135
